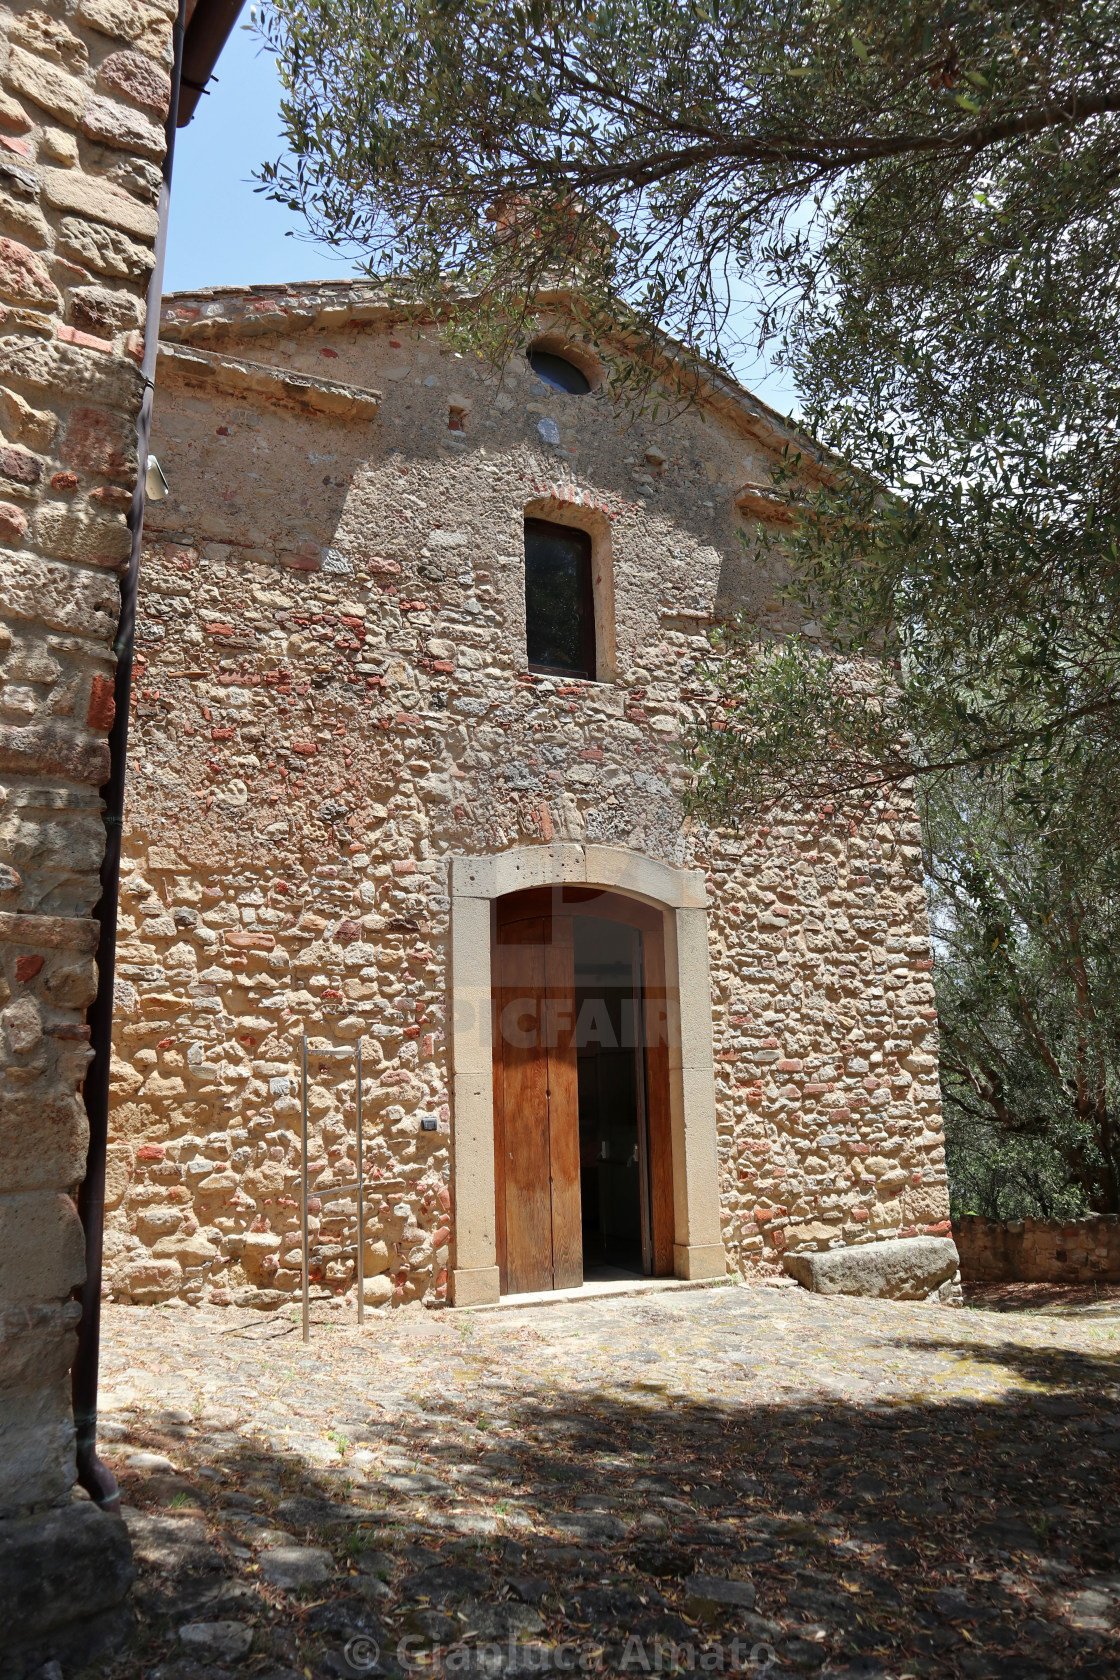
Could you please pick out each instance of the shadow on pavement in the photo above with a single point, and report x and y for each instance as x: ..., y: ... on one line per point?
x: 1073, y: 1299
x: 634, y: 1534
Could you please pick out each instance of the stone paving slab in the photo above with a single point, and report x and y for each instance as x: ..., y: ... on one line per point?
x: 882, y: 1488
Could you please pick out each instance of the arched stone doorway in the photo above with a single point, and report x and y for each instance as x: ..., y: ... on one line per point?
x: 542, y: 1181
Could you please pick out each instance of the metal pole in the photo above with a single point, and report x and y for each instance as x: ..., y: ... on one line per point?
x: 361, y: 1205
x: 303, y: 1178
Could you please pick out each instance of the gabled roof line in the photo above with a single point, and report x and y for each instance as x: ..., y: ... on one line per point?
x: 200, y: 317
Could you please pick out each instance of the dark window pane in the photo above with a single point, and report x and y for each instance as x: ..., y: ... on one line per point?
x: 559, y: 604
x: 558, y: 372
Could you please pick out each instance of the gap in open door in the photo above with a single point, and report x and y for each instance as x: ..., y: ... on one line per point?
x: 613, y: 1133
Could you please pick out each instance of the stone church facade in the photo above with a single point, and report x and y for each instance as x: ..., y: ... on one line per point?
x: 361, y: 810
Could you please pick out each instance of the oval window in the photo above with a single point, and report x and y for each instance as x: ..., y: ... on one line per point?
x: 558, y: 372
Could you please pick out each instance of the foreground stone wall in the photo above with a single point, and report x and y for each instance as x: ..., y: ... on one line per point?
x: 1039, y: 1250
x: 84, y: 94
x: 332, y: 702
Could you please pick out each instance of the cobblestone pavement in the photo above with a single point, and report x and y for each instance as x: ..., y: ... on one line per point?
x: 712, y: 1479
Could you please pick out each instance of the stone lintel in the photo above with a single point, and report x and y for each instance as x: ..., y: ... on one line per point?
x: 281, y: 387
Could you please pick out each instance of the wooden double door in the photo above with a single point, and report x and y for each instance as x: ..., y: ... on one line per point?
x: 583, y: 1151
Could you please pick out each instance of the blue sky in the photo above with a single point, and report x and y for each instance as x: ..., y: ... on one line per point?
x: 222, y: 233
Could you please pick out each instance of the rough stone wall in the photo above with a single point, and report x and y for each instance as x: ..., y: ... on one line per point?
x: 1039, y: 1250
x: 332, y: 701
x: 825, y: 1035
x: 84, y: 90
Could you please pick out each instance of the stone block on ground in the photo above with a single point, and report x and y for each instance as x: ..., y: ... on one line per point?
x: 711, y: 1593
x: 902, y: 1269
x: 296, y: 1566
x: 591, y: 1525
x: 227, y: 1641
x: 64, y: 1580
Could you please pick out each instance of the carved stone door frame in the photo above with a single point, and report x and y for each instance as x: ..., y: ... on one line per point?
x: 680, y: 896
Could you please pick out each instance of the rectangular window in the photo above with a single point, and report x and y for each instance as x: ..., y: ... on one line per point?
x: 559, y: 600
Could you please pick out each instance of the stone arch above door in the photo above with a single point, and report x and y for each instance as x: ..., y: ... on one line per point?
x: 681, y: 896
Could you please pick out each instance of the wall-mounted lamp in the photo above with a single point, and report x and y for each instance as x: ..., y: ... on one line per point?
x: 156, y: 486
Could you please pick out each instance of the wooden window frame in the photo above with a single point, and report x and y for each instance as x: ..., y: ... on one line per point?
x: 588, y: 670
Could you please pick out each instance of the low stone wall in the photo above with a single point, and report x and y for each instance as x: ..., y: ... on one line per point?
x: 1039, y: 1250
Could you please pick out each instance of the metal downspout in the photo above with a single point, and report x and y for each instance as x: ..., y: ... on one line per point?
x: 210, y: 26
x: 94, y: 1476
